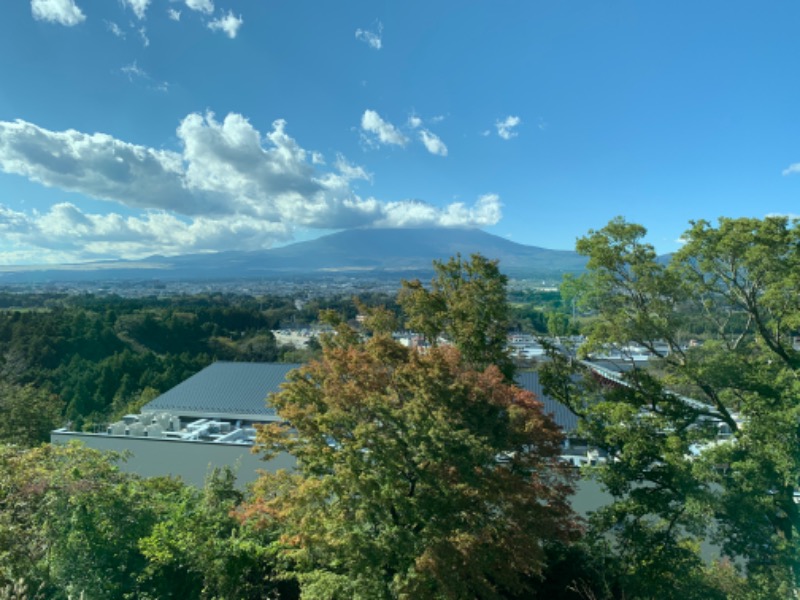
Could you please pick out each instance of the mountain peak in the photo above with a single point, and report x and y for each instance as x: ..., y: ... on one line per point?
x: 385, y: 253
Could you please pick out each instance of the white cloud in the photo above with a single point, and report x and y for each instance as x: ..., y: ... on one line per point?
x: 227, y: 160
x: 349, y: 172
x: 414, y: 121
x: 229, y: 24
x: 139, y: 7
x: 63, y: 12
x: 143, y: 35
x: 432, y: 142
x: 317, y: 158
x: 173, y: 14
x: 115, y: 29
x: 66, y: 234
x: 94, y: 164
x: 372, y: 38
x: 203, y: 6
x: 227, y: 187
x: 386, y: 133
x: 134, y: 72
x: 791, y: 169
x: 505, y: 128
x: 486, y: 211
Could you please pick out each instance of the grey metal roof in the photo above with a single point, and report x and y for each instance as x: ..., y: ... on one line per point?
x: 227, y: 390
x: 563, y: 416
x: 231, y: 390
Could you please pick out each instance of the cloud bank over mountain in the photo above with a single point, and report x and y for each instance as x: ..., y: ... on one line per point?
x: 226, y: 185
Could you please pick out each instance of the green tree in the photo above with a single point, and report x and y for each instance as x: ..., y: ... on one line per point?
x: 703, y: 444
x: 27, y: 414
x: 557, y: 323
x: 466, y: 304
x: 70, y: 521
x: 201, y: 550
x: 72, y: 524
x: 418, y: 476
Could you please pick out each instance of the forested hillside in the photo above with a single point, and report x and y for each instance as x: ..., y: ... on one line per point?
x: 86, y: 358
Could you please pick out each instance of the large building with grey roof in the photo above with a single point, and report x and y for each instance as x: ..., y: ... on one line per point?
x: 206, y: 421
x: 210, y: 419
x: 226, y: 390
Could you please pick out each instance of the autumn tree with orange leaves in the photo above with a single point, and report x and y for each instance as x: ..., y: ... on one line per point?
x: 418, y: 476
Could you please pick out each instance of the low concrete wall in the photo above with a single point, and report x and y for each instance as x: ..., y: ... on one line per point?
x: 191, y: 461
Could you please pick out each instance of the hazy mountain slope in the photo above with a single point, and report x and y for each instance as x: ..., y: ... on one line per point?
x: 374, y: 252
x: 382, y: 250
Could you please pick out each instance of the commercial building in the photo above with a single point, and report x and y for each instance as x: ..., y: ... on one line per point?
x: 207, y: 421
x: 210, y: 421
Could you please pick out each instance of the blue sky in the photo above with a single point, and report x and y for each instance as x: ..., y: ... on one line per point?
x: 137, y: 127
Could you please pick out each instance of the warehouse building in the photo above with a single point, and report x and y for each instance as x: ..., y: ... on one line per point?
x: 210, y: 421
x: 204, y: 422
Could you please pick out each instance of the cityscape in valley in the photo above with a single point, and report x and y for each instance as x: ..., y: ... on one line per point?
x: 399, y: 301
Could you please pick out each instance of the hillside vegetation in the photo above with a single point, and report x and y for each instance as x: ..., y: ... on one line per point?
x: 90, y: 358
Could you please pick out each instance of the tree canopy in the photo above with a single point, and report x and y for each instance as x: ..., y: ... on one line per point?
x: 72, y: 524
x: 465, y: 303
x: 421, y: 474
x: 703, y: 443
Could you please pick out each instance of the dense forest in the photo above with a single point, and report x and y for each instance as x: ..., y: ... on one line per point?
x: 91, y: 358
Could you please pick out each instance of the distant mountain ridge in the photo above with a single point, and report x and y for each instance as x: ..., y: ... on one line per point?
x: 382, y: 253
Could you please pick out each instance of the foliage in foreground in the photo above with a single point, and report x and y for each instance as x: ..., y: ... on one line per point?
x: 429, y: 476
x: 418, y: 477
x: 73, y: 525
x: 675, y: 479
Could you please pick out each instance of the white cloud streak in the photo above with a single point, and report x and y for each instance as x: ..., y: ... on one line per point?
x: 229, y: 186
x: 203, y: 6
x: 229, y: 24
x: 134, y: 72
x: 486, y: 211
x: 788, y: 215
x: 115, y: 29
x: 63, y: 12
x: 173, y: 14
x: 432, y: 143
x: 94, y: 164
x: 792, y: 169
x: 139, y: 7
x: 66, y: 234
x: 506, y: 127
x: 373, y: 39
x: 385, y: 132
